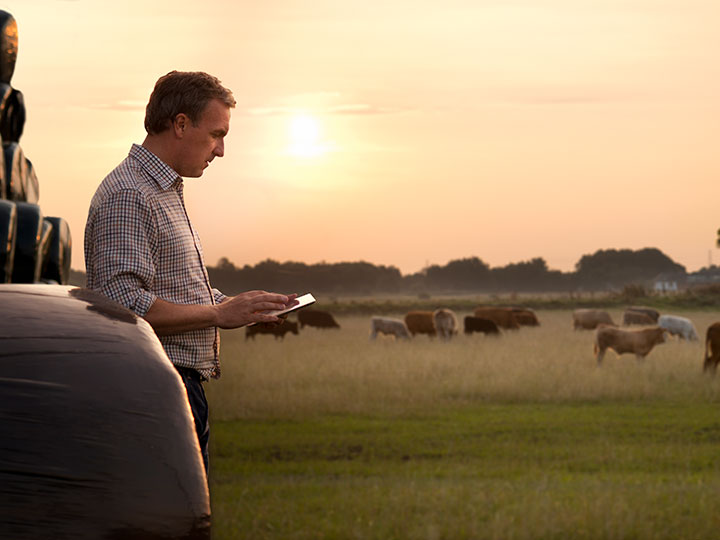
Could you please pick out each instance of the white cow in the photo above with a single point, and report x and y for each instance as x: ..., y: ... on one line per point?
x: 678, y: 326
x: 387, y: 326
x: 446, y: 324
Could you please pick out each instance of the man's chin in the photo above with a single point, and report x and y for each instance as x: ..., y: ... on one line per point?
x: 194, y: 174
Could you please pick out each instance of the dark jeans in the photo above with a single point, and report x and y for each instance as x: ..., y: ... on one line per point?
x: 199, y: 407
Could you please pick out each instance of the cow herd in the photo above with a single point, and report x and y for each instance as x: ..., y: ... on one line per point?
x: 444, y: 324
x: 640, y: 342
x: 491, y: 321
x: 441, y: 323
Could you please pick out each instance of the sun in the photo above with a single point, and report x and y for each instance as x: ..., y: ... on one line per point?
x: 305, y: 137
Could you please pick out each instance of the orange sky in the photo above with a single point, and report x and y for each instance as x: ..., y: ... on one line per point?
x: 399, y: 132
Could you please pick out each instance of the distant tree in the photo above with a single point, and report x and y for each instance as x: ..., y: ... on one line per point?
x: 355, y: 277
x: 471, y: 274
x: 616, y: 268
x: 602, y: 270
x: 225, y: 264
x: 532, y: 275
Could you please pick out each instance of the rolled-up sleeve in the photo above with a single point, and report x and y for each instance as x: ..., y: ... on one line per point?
x: 123, y: 246
x: 218, y: 296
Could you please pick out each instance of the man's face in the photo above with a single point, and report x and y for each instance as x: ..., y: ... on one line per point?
x: 205, y: 141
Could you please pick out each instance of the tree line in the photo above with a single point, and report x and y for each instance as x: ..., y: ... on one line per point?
x: 603, y: 270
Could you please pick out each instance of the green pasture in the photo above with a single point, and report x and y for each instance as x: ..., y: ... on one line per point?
x: 329, y: 435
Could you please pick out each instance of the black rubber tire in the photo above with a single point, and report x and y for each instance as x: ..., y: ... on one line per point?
x: 8, y: 46
x: 8, y: 226
x: 30, y: 240
x: 57, y: 264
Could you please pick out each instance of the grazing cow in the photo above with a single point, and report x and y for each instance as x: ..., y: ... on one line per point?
x: 654, y: 314
x: 712, y: 348
x: 389, y: 327
x: 504, y: 317
x: 446, y: 324
x: 638, y: 342
x: 525, y: 316
x: 317, y: 318
x: 678, y: 326
x: 478, y: 324
x: 420, y: 322
x: 278, y: 331
x: 637, y: 317
x: 589, y: 319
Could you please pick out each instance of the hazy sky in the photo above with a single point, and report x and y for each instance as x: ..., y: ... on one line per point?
x: 401, y: 132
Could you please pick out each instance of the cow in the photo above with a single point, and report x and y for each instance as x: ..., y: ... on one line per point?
x: 446, y: 324
x: 637, y: 317
x: 504, y: 317
x: 420, y: 322
x: 478, y: 324
x: 588, y: 319
x: 525, y: 316
x: 278, y: 331
x: 389, y: 327
x: 712, y: 348
x: 316, y: 318
x: 678, y: 326
x: 650, y: 312
x: 639, y: 342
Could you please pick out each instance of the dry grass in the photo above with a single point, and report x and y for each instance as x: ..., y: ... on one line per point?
x: 342, y: 371
x: 520, y: 437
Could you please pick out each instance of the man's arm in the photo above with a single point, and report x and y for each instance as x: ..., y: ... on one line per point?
x: 169, y: 318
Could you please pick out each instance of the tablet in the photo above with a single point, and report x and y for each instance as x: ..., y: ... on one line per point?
x: 302, y: 301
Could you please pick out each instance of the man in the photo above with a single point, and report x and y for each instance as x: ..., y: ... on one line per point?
x: 141, y: 249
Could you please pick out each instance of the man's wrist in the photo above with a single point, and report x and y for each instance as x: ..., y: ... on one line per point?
x: 215, y: 315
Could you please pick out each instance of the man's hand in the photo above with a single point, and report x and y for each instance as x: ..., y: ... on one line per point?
x: 169, y: 318
x: 252, y: 307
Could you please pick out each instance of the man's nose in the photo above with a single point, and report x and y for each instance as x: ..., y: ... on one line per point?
x: 220, y: 148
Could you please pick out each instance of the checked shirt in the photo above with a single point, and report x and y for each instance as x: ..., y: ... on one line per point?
x: 140, y: 246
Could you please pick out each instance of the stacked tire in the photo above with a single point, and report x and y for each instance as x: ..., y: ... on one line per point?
x: 33, y: 248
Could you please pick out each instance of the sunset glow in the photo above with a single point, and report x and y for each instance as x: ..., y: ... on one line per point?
x: 305, y: 137
x: 502, y: 130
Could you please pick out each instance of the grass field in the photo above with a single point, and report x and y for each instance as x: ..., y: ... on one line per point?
x: 330, y: 435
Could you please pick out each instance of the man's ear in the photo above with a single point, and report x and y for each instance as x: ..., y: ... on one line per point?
x: 180, y: 123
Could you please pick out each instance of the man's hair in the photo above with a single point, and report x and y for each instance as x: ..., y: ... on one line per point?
x: 186, y: 92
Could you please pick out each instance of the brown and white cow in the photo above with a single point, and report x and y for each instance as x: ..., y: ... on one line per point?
x: 712, y: 348
x: 638, y: 342
x: 388, y: 327
x: 589, y: 319
x: 420, y: 322
x: 504, y: 317
x: 446, y: 324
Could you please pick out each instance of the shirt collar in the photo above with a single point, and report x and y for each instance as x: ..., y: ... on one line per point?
x: 158, y: 170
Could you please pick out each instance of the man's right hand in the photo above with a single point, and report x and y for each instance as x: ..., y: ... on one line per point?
x: 251, y: 307
x: 168, y: 318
